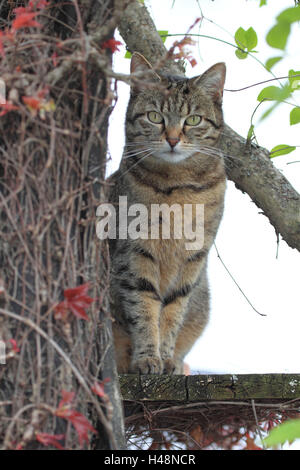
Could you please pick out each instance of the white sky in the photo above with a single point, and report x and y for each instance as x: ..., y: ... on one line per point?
x: 237, y: 339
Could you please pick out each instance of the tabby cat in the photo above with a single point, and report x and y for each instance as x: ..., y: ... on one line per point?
x: 159, y: 289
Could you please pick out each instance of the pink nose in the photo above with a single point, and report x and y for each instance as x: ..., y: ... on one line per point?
x: 172, y: 141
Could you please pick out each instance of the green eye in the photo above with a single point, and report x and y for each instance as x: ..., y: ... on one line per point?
x: 193, y: 120
x: 155, y: 117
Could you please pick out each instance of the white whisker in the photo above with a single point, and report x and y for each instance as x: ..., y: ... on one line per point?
x: 134, y: 154
x: 136, y: 163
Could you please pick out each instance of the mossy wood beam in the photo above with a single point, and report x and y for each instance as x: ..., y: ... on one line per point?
x: 195, y: 388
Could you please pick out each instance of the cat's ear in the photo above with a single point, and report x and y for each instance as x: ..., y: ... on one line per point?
x: 140, y: 64
x: 213, y: 81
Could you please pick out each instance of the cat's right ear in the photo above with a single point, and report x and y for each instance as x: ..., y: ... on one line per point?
x: 140, y: 64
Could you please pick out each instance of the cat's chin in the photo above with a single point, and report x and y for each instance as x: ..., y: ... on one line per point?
x: 172, y: 157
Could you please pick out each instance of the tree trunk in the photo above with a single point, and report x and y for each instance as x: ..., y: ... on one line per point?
x: 53, y: 155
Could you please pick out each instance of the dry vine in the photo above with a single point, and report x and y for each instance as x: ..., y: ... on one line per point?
x: 53, y: 152
x: 204, y: 425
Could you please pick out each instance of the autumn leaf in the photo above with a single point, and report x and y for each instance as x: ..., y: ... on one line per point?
x: 14, y: 345
x: 32, y: 102
x: 98, y: 387
x: 54, y: 58
x: 76, y: 300
x: 67, y: 398
x: 6, y: 107
x: 79, y: 421
x: 111, y: 44
x: 250, y: 444
x: 25, y: 20
x: 39, y: 4
x: 50, y: 439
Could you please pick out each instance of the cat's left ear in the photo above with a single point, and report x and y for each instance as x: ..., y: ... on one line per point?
x: 213, y: 81
x: 140, y: 64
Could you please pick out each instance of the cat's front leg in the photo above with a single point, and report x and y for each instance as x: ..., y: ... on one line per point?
x: 172, y: 317
x: 137, y: 307
x: 145, y: 336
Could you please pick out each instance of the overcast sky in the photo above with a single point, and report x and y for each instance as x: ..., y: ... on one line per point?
x: 237, y: 339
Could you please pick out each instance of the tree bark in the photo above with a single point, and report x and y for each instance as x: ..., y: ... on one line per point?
x: 249, y: 167
x: 52, y: 170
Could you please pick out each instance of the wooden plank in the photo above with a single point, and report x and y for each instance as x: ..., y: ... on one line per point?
x: 195, y: 388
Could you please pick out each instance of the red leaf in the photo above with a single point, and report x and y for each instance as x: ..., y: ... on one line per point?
x: 40, y: 4
x: 67, y: 397
x: 61, y: 310
x: 79, y: 421
x: 111, y: 44
x: 81, y: 424
x: 54, y: 58
x: 70, y: 294
x: 77, y: 301
x: 98, y: 387
x: 25, y: 20
x: 192, y: 61
x: 31, y: 102
x: 6, y: 107
x: 14, y: 346
x: 250, y: 444
x: 21, y: 10
x: 78, y: 311
x: 50, y: 439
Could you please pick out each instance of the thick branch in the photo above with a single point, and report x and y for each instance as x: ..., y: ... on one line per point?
x: 251, y: 169
x: 197, y: 388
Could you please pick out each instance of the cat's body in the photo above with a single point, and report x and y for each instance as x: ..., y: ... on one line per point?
x: 159, y: 290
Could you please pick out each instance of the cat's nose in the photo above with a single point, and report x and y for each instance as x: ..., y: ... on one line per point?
x: 172, y: 141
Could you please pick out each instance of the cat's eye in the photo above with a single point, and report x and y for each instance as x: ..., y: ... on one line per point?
x: 155, y: 117
x: 193, y: 120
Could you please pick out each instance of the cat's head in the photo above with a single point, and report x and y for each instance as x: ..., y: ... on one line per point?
x: 174, y: 117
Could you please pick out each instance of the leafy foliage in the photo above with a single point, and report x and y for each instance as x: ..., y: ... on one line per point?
x: 246, y: 40
x: 281, y: 150
x: 287, y: 431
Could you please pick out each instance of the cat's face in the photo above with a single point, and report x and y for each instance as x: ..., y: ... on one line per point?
x: 177, y: 118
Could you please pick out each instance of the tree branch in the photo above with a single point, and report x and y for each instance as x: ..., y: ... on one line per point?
x: 250, y: 167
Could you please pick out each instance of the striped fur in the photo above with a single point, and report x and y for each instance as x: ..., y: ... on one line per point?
x: 159, y: 290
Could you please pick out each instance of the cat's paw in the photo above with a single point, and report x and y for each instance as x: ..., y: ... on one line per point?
x: 169, y: 366
x: 147, y: 365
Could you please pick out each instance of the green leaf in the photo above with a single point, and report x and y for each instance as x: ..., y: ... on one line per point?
x: 272, y: 61
x: 270, y: 93
x: 290, y: 15
x: 241, y: 54
x: 262, y: 3
x: 282, y: 149
x: 240, y: 38
x: 294, y: 80
x: 276, y: 94
x: 295, y: 116
x: 278, y: 35
x: 163, y: 34
x: 246, y: 39
x: 287, y: 431
x: 251, y: 39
